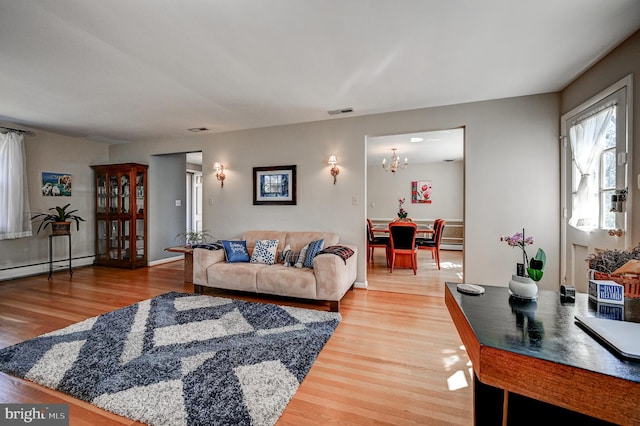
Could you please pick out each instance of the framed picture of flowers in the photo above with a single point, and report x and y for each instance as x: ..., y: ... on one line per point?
x: 421, y: 192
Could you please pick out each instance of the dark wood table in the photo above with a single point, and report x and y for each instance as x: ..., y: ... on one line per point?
x: 532, y: 364
x: 188, y: 261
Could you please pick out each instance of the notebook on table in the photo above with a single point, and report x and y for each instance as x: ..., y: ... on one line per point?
x: 622, y: 336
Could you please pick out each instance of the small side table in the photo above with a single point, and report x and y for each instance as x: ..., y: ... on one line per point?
x: 188, y: 261
x: 51, y: 254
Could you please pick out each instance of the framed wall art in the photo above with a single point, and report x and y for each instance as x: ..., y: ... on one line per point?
x: 56, y: 184
x: 421, y: 192
x: 274, y: 185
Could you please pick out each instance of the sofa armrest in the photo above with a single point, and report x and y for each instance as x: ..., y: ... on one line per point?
x: 202, y: 259
x: 333, y: 276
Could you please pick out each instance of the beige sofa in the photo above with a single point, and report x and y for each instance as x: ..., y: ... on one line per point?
x: 328, y: 280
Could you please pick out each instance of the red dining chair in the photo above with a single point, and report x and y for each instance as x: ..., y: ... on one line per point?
x: 374, y: 242
x: 434, y: 244
x: 402, y: 241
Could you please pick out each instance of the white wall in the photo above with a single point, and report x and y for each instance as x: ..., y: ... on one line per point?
x: 49, y: 152
x: 511, y: 177
x: 384, y: 189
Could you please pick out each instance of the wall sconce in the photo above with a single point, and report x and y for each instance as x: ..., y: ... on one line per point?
x: 334, y: 169
x: 219, y: 168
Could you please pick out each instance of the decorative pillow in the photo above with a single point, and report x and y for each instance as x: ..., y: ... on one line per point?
x: 235, y: 251
x: 291, y: 258
x: 301, y: 256
x: 313, y: 248
x: 283, y: 253
x: 264, y: 252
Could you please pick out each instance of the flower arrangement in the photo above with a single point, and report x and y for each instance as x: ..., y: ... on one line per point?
x: 402, y: 213
x: 536, y: 265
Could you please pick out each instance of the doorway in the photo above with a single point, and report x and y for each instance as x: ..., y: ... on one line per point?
x: 435, y: 159
x: 194, y: 191
x: 596, y: 168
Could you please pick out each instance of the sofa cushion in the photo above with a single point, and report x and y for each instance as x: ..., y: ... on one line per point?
x: 235, y: 276
x: 313, y: 249
x: 264, y: 251
x: 298, y: 239
x: 235, y: 251
x: 283, y: 281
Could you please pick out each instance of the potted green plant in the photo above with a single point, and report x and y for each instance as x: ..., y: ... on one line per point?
x: 194, y: 237
x: 60, y: 220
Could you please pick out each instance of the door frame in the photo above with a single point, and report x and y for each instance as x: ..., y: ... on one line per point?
x: 624, y: 83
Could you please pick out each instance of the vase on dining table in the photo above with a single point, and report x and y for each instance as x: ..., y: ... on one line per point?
x: 523, y: 287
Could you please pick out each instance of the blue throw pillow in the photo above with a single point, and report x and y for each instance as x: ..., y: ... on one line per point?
x: 236, y: 251
x: 312, y: 249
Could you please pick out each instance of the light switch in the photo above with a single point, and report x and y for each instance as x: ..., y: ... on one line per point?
x: 355, y: 200
x: 210, y: 201
x: 178, y: 203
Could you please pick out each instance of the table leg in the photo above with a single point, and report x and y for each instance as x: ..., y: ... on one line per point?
x: 70, y: 270
x: 188, y: 267
x: 50, y: 257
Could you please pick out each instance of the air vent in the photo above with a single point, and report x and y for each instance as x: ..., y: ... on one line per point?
x: 340, y: 111
x: 198, y: 129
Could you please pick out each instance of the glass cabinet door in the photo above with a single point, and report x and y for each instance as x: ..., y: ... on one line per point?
x: 113, y: 193
x: 125, y: 233
x: 139, y: 238
x: 124, y: 190
x: 113, y: 240
x: 102, y: 238
x: 101, y: 196
x: 140, y: 193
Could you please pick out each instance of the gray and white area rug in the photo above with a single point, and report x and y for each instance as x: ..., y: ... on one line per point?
x: 181, y: 359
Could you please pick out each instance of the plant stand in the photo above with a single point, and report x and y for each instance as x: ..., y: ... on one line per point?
x: 51, y: 236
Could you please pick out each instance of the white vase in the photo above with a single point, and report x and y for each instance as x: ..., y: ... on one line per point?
x: 523, y: 287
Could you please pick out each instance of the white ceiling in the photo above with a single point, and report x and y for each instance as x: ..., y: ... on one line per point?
x: 443, y: 145
x: 123, y: 70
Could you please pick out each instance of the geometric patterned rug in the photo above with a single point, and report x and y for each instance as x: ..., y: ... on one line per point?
x: 181, y: 359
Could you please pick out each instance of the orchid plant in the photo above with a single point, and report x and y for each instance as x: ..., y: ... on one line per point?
x: 402, y: 213
x: 536, y: 265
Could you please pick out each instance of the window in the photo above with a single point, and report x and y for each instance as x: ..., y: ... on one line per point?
x: 14, y: 194
x: 597, y: 138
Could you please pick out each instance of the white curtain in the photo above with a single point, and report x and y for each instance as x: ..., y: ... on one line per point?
x: 587, y: 139
x: 14, y: 195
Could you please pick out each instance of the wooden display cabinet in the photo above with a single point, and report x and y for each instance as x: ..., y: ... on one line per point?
x: 121, y: 215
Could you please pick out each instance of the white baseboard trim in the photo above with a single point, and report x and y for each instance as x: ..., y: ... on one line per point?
x: 28, y: 271
x: 165, y: 260
x: 360, y: 284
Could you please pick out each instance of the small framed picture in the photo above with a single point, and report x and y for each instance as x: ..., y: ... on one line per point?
x: 56, y: 184
x: 274, y: 185
x: 421, y: 192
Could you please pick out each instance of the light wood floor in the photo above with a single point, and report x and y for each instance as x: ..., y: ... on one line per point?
x: 395, y: 358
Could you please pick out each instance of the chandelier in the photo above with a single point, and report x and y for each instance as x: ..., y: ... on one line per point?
x: 394, y: 165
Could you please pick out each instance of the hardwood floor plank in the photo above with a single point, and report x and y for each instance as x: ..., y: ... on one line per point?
x: 391, y: 360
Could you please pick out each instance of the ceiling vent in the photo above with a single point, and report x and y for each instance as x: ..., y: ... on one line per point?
x: 198, y: 129
x: 340, y: 111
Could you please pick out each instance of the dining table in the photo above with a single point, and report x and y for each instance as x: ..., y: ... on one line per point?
x: 426, y: 230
